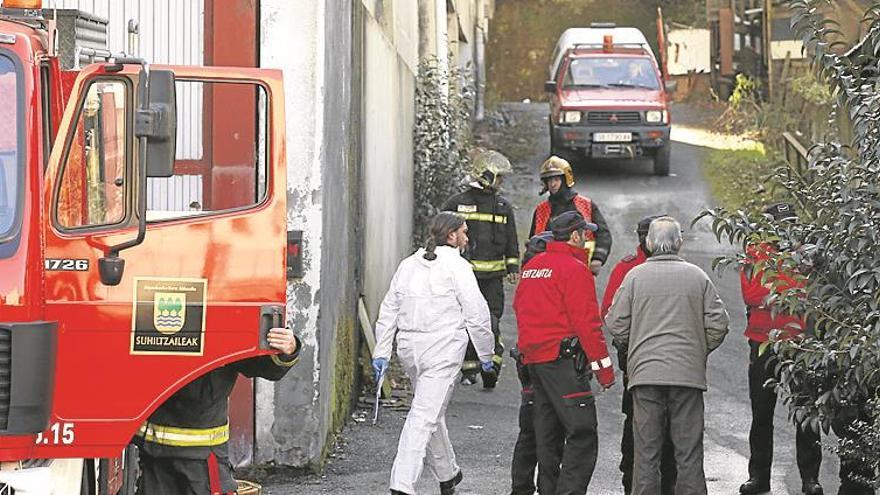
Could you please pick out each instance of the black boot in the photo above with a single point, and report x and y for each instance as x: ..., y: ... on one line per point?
x: 754, y: 486
x: 490, y: 378
x: 812, y: 487
x: 448, y: 487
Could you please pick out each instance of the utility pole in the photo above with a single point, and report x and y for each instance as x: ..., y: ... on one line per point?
x: 661, y: 41
x: 768, y: 54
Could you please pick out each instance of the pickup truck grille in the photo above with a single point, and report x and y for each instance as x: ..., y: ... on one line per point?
x: 614, y: 118
x: 5, y: 375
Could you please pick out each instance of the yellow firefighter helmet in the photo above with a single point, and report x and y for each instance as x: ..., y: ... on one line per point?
x: 488, y: 166
x: 556, y: 167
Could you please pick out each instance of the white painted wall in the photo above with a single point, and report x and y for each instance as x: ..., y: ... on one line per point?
x: 389, y: 108
x: 292, y: 39
x: 688, y: 50
x: 780, y: 49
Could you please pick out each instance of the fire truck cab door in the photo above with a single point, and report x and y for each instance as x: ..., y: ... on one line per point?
x: 210, y: 268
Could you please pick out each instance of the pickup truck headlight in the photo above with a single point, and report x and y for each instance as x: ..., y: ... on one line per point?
x: 656, y: 116
x: 571, y: 117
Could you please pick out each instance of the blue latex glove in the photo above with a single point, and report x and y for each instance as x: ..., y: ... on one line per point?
x: 380, y: 366
x: 487, y: 366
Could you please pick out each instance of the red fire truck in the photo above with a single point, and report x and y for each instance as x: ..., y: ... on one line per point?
x: 143, y: 243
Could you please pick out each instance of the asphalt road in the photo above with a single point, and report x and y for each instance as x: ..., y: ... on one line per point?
x: 483, y: 425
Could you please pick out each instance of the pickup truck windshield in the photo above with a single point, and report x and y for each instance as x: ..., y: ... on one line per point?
x: 10, y: 146
x: 611, y: 72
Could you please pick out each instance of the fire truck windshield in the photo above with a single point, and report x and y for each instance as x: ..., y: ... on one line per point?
x: 11, y: 150
x: 611, y: 72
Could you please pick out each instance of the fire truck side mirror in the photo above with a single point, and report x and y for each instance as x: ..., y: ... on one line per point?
x: 111, y: 270
x: 158, y: 122
x: 670, y: 86
x: 550, y: 86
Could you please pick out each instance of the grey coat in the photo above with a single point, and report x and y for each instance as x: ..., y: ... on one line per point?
x: 668, y: 316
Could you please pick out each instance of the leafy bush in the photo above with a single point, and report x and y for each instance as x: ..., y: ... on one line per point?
x: 442, y: 139
x: 830, y: 379
x: 743, y: 91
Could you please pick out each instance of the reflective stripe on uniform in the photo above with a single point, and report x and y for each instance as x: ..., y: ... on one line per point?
x: 512, y: 261
x: 605, y: 362
x: 489, y: 266
x: 470, y: 365
x: 176, y: 436
x: 283, y: 364
x: 483, y: 217
x: 590, y: 248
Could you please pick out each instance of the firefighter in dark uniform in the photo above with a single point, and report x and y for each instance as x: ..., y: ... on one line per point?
x: 668, y: 472
x: 558, y: 180
x: 183, y: 445
x: 493, y: 248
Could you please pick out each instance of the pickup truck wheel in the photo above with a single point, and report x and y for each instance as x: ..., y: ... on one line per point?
x: 661, y: 161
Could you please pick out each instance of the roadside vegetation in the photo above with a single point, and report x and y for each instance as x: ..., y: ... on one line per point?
x: 738, y: 178
x: 442, y: 138
x: 746, y: 179
x: 830, y: 379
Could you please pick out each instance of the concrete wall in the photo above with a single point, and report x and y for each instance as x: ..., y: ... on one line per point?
x: 339, y: 335
x: 290, y: 413
x: 390, y: 44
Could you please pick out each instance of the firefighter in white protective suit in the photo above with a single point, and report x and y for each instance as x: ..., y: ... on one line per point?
x: 433, y: 305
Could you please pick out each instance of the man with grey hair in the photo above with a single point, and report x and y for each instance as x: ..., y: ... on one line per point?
x: 668, y: 316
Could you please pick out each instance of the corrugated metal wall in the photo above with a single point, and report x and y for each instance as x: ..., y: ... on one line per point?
x: 170, y: 32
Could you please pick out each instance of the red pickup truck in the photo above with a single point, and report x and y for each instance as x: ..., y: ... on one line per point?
x: 607, y: 97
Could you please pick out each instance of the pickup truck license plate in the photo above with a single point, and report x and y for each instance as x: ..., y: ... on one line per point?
x: 612, y: 137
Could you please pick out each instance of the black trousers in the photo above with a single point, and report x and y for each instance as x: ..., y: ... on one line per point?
x: 658, y: 409
x: 809, y: 451
x: 177, y: 476
x: 525, y: 453
x: 668, y: 472
x: 565, y: 427
x: 493, y: 291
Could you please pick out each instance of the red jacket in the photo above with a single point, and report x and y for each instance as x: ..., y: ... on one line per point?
x: 620, y: 270
x: 555, y: 299
x: 760, y: 317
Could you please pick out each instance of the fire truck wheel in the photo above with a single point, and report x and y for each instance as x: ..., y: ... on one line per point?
x: 661, y: 161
